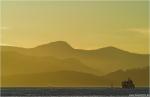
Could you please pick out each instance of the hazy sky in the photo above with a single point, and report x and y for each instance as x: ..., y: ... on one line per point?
x: 83, y: 24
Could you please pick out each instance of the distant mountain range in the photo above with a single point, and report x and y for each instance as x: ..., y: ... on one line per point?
x: 77, y: 79
x: 57, y: 63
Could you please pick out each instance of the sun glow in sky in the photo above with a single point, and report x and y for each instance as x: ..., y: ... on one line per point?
x: 83, y: 24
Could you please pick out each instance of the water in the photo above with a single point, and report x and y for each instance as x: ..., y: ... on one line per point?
x: 74, y: 92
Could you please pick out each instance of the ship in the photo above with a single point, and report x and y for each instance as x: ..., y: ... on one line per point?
x: 128, y: 84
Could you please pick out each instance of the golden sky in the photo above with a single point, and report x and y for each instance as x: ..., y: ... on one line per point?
x: 83, y: 24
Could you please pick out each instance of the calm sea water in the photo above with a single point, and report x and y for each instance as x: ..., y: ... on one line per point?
x: 74, y: 92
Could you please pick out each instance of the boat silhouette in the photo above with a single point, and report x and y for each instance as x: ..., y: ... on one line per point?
x: 128, y: 84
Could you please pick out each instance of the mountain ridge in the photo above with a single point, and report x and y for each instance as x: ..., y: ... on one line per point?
x: 100, y: 60
x: 77, y: 79
x: 63, y: 43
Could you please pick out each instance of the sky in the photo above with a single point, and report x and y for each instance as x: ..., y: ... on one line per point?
x: 83, y: 24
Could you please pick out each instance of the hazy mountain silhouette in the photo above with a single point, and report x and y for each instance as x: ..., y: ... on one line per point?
x: 58, y: 45
x: 100, y: 59
x: 140, y: 76
x: 15, y: 63
x: 58, y: 64
x: 77, y: 79
x: 60, y: 78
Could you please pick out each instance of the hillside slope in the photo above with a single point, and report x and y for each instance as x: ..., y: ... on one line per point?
x: 100, y: 59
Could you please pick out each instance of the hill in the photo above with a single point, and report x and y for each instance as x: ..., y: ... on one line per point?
x: 77, y: 79
x: 140, y: 76
x: 100, y: 59
x: 14, y: 63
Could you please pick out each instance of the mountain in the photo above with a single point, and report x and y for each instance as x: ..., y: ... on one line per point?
x: 58, y: 45
x: 100, y: 59
x: 53, y: 79
x: 57, y: 49
x: 77, y: 79
x: 59, y: 64
x: 140, y: 76
x: 104, y: 58
x: 14, y: 63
